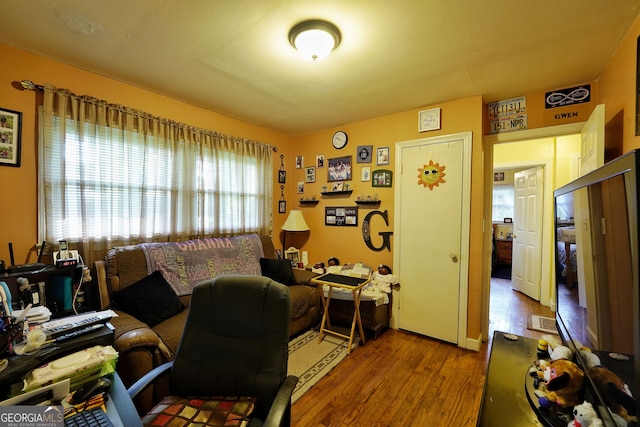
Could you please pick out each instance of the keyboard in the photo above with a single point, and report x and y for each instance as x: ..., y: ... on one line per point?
x: 92, y: 418
x: 67, y: 325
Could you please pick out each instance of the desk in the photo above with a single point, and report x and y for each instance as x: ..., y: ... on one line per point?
x: 354, y: 284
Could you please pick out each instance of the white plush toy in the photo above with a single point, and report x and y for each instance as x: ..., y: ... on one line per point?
x: 556, y: 349
x: 585, y: 416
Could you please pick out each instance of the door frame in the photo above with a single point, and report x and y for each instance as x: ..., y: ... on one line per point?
x: 488, y: 142
x: 463, y: 297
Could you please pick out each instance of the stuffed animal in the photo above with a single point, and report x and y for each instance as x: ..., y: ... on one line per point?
x: 563, y: 380
x: 585, y: 416
x: 617, y: 394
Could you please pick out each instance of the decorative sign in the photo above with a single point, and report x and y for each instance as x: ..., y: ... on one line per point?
x: 386, y: 235
x: 431, y: 175
x: 508, y: 116
x: 429, y: 120
x: 510, y: 107
x: 509, y: 124
x: 572, y: 95
x: 341, y: 216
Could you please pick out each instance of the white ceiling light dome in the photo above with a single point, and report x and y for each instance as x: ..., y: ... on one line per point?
x: 314, y: 39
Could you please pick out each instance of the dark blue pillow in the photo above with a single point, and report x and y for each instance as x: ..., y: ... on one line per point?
x: 150, y: 300
x: 279, y: 270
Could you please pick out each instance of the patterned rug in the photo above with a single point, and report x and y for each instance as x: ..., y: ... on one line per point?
x: 310, y: 360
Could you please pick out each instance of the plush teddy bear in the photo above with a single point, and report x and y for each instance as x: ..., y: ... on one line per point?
x: 585, y: 416
x: 563, y: 380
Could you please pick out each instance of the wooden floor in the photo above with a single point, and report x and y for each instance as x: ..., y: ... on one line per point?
x: 404, y: 379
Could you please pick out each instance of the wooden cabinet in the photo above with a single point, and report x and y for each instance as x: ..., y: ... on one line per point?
x: 503, y: 249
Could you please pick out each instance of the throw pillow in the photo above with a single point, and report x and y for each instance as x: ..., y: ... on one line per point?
x: 150, y: 300
x: 202, y: 411
x: 279, y: 270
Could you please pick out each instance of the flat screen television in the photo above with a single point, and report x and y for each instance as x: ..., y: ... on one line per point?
x: 597, y: 281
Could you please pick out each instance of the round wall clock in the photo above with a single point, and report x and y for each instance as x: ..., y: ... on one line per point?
x: 340, y: 139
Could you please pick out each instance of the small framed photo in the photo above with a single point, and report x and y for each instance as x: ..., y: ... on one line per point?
x: 382, y: 156
x: 293, y: 255
x: 498, y: 176
x: 300, y: 187
x: 282, y: 177
x: 10, y: 137
x: 339, y: 169
x: 365, y: 173
x: 429, y: 120
x: 381, y: 178
x: 310, y: 174
x: 282, y: 206
x: 299, y: 162
x: 508, y: 220
x: 364, y: 154
x: 337, y: 186
x: 320, y: 161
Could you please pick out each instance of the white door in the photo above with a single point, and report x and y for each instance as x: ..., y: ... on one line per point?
x: 527, y: 231
x: 431, y: 229
x: 592, y: 146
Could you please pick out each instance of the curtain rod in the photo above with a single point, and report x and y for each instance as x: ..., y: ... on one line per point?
x: 29, y: 85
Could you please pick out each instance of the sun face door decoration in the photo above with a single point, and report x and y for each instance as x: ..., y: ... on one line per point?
x: 431, y: 175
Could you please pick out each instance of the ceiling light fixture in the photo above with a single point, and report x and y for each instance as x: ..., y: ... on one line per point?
x: 314, y: 39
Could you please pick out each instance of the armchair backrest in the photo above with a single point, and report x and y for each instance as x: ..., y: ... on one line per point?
x: 235, y: 340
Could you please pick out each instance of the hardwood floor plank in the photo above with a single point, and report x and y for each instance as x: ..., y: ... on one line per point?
x: 404, y: 379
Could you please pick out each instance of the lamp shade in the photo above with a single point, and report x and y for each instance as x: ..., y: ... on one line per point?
x: 295, y: 222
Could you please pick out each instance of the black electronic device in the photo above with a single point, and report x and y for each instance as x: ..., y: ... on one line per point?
x: 22, y: 268
x: 90, y: 389
x: 95, y: 417
x: 597, y: 238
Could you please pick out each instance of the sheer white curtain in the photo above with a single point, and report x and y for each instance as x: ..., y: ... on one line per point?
x: 110, y: 176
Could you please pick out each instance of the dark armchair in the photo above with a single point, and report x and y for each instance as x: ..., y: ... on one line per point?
x: 235, y: 343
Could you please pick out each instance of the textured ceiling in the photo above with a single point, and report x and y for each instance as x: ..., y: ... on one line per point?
x: 234, y: 57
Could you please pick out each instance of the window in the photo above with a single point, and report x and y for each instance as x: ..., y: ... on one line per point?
x: 503, y: 197
x: 139, y: 179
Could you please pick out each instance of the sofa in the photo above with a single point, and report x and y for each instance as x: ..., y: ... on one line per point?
x: 149, y: 324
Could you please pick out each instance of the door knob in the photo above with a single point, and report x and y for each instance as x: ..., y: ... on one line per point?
x: 453, y: 257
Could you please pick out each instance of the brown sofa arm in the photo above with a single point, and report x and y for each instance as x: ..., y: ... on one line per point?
x: 303, y: 277
x: 131, y: 333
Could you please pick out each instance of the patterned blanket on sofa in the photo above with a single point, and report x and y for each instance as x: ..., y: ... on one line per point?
x: 185, y: 264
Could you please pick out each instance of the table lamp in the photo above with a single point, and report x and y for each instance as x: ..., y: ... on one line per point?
x: 295, y: 222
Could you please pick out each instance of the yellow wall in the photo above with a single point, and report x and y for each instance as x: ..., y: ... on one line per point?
x: 617, y: 87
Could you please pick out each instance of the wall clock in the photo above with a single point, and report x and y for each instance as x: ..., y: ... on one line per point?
x: 339, y: 139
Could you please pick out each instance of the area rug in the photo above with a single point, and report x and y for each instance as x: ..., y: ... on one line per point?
x: 542, y: 324
x: 310, y: 360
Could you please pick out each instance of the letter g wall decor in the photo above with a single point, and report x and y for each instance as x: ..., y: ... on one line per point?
x: 386, y: 235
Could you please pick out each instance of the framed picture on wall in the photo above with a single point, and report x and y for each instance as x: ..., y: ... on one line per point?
x: 339, y: 169
x: 310, y: 174
x: 382, y: 156
x: 381, y: 178
x: 10, y: 137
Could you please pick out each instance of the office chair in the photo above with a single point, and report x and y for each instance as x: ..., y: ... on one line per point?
x: 232, y: 357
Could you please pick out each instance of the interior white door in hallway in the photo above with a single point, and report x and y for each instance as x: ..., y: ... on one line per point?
x: 527, y: 231
x: 431, y: 229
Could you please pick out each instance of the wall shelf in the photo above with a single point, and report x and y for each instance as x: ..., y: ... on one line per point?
x: 309, y: 202
x: 368, y: 202
x: 335, y: 193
